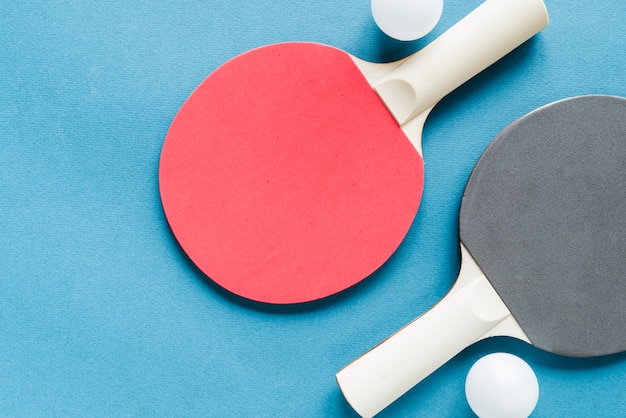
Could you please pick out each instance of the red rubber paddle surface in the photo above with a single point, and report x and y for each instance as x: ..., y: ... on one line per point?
x: 285, y: 179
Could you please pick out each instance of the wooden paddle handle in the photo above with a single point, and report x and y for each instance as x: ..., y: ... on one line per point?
x: 468, y: 313
x: 484, y: 36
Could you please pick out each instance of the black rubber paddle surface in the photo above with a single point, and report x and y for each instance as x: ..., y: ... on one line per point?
x: 544, y: 216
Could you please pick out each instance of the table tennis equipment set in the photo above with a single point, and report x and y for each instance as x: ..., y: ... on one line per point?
x: 542, y: 227
x: 295, y: 170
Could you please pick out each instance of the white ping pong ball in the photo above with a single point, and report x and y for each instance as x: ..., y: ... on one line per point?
x: 501, y: 385
x: 406, y: 20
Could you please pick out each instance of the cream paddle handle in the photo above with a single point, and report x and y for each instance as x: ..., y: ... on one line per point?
x: 488, y: 33
x: 471, y: 311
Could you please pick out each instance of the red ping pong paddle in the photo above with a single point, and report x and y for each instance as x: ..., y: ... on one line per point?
x: 286, y: 179
x: 543, y: 232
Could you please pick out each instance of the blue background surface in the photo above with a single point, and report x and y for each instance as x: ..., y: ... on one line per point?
x: 102, y: 314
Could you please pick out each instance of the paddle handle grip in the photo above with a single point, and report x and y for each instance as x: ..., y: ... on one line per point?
x: 383, y: 374
x: 488, y: 33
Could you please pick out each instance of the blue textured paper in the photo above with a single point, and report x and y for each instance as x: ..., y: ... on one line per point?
x: 101, y: 313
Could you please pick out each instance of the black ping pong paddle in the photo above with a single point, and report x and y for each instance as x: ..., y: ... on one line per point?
x: 543, y: 240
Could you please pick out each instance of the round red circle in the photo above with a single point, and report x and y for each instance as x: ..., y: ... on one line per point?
x: 284, y: 178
